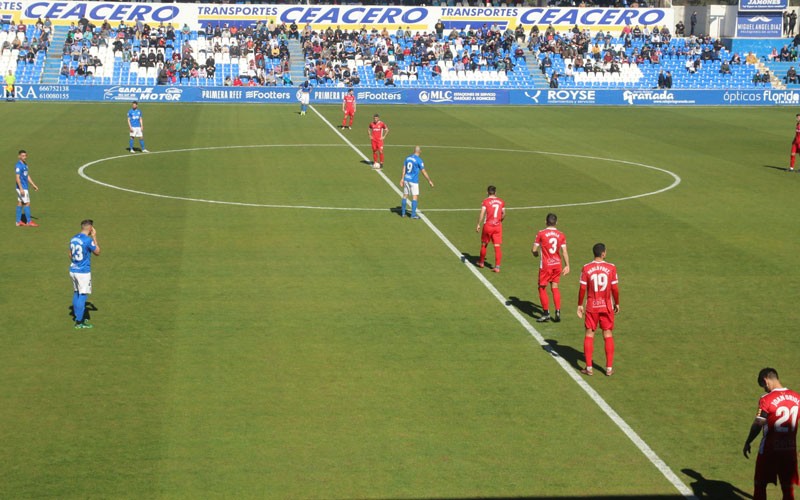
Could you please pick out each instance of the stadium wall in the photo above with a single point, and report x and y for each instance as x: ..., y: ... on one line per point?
x: 419, y: 96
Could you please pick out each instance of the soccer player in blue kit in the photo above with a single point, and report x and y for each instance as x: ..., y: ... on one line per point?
x: 81, y: 248
x: 304, y: 95
x: 409, y: 182
x: 23, y: 180
x: 136, y: 127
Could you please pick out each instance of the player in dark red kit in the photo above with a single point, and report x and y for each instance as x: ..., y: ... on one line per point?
x: 348, y: 108
x: 493, y: 211
x: 377, y: 133
x: 795, y: 142
x: 553, y: 244
x: 599, y: 287
x: 777, y: 421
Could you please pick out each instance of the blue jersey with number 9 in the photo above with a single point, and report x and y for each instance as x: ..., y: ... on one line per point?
x: 81, y: 247
x: 412, y: 166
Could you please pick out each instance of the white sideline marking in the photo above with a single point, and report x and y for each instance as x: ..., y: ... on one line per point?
x: 82, y: 173
x: 578, y: 379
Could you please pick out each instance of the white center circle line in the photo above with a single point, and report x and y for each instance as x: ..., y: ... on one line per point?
x: 83, y: 174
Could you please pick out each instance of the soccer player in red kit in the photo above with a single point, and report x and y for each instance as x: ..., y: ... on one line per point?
x: 377, y: 133
x: 776, y: 420
x: 598, y: 284
x: 795, y: 142
x: 551, y: 241
x: 493, y: 211
x: 348, y: 108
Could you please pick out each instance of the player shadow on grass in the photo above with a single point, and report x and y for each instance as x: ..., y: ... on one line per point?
x: 710, y: 488
x: 86, y: 315
x: 567, y: 353
x: 526, y: 307
x: 581, y: 497
x: 782, y: 169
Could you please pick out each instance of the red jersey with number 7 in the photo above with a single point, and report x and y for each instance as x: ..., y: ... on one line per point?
x: 550, y: 240
x: 494, y: 211
x: 780, y: 408
x: 599, y: 279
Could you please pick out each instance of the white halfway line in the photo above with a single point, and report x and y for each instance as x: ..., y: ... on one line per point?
x: 594, y: 395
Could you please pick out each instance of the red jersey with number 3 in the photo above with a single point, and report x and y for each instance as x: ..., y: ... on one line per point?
x: 550, y: 241
x: 780, y: 407
x: 599, y: 278
x: 350, y: 103
x: 376, y: 130
x: 494, y: 211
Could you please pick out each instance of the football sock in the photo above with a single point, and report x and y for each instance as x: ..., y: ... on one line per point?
x: 498, y: 255
x: 588, y: 349
x: 344, y: 120
x: 483, y: 254
x: 130, y: 144
x: 609, y: 351
x: 381, y: 156
x: 141, y: 144
x: 27, y: 210
x: 374, y: 156
x: 760, y: 492
x: 413, y: 208
x: 557, y: 298
x: 791, y: 162
x: 543, y: 298
x: 19, y: 213
x: 403, y: 207
x: 80, y: 307
x: 75, y: 296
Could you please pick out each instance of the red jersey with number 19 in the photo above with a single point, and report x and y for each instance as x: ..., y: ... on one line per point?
x: 494, y: 211
x: 780, y: 407
x: 600, y: 280
x: 550, y: 240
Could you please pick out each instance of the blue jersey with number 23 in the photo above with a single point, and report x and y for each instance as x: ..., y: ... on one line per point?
x: 81, y: 247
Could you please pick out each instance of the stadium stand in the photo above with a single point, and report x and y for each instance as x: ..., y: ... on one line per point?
x: 267, y: 54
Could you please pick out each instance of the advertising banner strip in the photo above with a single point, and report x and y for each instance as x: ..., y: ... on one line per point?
x: 345, y: 16
x: 763, y: 5
x: 419, y: 96
x: 759, y: 24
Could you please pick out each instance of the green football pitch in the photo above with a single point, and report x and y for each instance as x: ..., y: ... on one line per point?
x: 266, y: 325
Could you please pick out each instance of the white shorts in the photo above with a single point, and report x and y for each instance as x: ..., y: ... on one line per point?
x: 136, y: 132
x: 81, y: 282
x: 23, y: 196
x: 411, y: 188
x: 304, y: 96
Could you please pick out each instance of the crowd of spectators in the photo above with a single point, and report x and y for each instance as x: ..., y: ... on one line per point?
x: 332, y: 55
x: 28, y: 40
x: 167, y: 50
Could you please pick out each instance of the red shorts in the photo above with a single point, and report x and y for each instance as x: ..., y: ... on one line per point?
x: 492, y: 234
x: 604, y: 319
x: 349, y: 112
x: 377, y: 144
x: 549, y: 275
x: 774, y: 466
